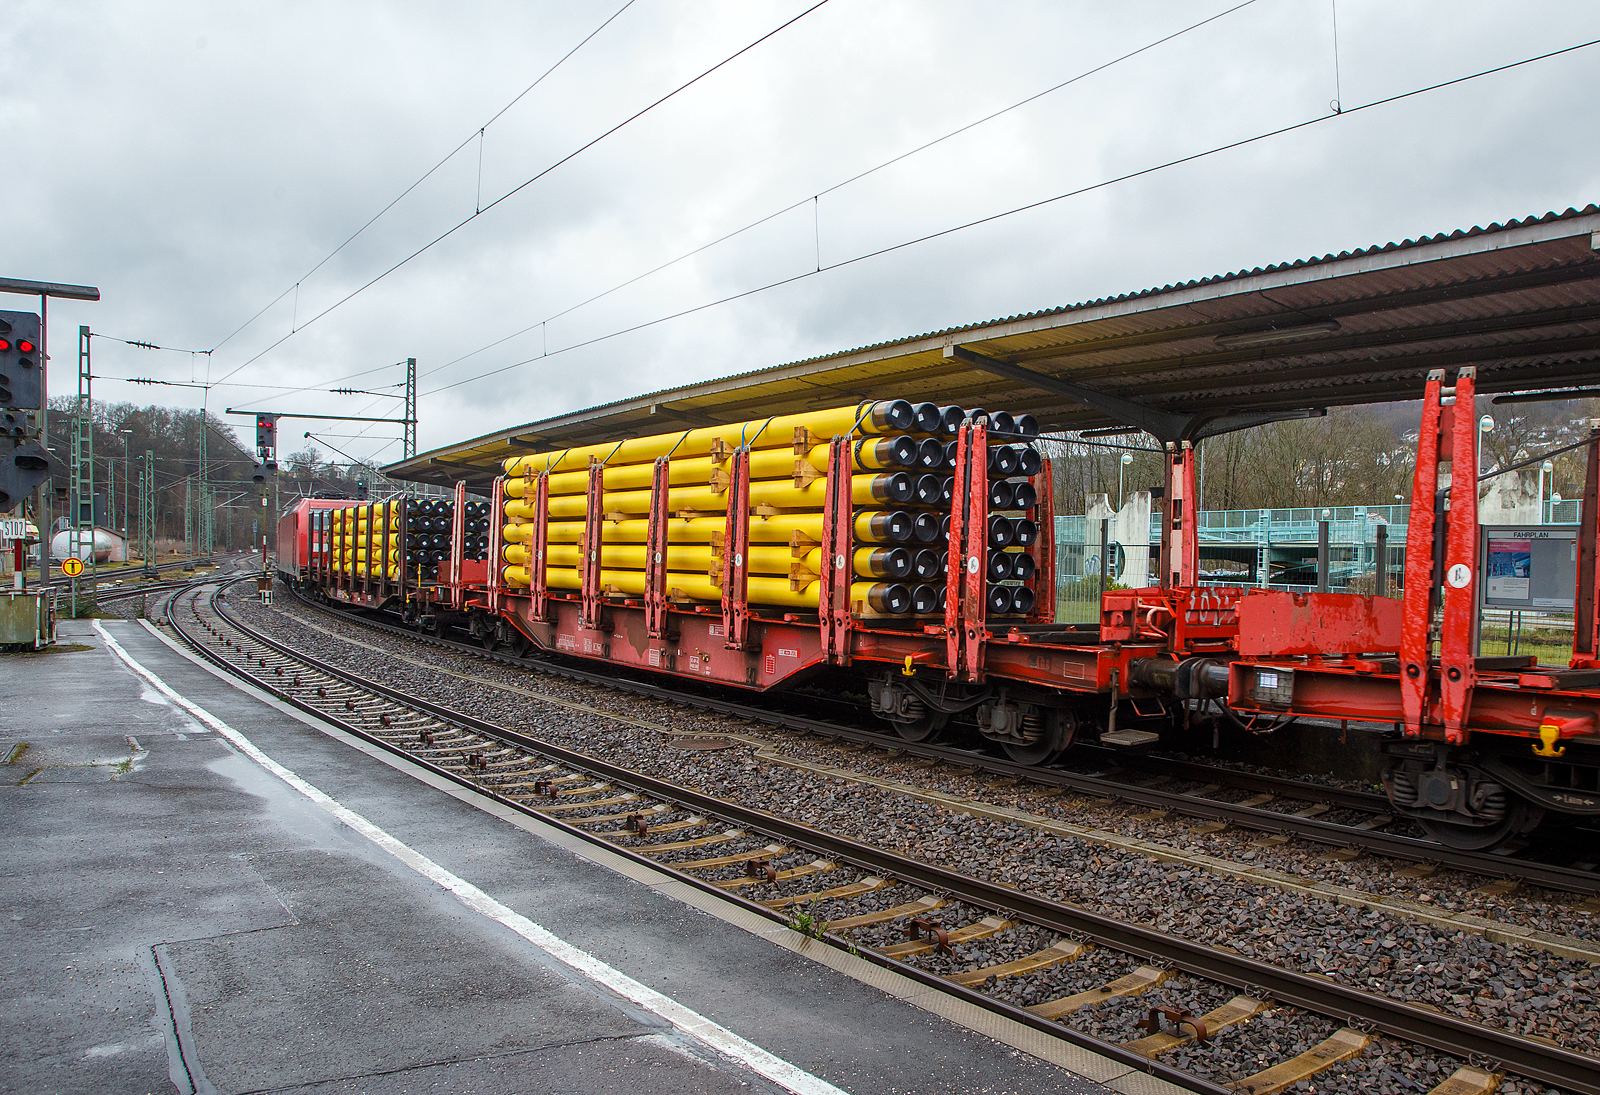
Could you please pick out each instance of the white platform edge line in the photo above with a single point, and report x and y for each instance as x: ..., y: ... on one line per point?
x: 774, y: 1068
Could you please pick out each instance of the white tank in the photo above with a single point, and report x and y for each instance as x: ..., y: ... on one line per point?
x: 100, y: 550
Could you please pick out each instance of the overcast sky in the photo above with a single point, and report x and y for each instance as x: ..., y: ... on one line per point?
x: 196, y: 161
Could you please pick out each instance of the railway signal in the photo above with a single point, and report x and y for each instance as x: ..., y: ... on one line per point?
x: 267, y: 438
x: 23, y: 468
x: 21, y: 371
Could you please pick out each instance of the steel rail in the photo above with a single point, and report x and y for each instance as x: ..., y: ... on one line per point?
x: 1299, y: 790
x: 655, y: 788
x: 154, y: 587
x: 1536, y: 1060
x: 1391, y: 845
x: 94, y: 583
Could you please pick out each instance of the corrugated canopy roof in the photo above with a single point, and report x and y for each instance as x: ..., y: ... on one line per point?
x: 1520, y: 301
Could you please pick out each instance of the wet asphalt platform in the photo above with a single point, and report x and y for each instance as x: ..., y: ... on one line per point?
x: 182, y: 918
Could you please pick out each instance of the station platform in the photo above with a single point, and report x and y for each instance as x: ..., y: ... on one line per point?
x: 206, y: 891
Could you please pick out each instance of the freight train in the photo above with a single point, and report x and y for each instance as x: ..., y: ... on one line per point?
x: 906, y: 551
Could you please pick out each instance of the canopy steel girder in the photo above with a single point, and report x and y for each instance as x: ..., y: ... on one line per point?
x: 1295, y: 355
x: 1162, y: 425
x: 1335, y: 310
x: 491, y: 470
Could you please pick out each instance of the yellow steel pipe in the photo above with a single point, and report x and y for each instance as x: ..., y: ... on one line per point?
x: 867, y: 562
x: 872, y: 526
x: 881, y: 596
x: 868, y: 454
x: 702, y: 558
x: 893, y: 488
x: 889, y: 416
x: 697, y: 471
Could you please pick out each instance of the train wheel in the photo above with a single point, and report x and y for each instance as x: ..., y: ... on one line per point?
x: 491, y: 641
x: 519, y: 645
x: 926, y: 728
x: 1051, y: 732
x: 1523, y: 817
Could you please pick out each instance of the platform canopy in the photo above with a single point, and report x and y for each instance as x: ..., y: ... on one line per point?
x: 1520, y: 301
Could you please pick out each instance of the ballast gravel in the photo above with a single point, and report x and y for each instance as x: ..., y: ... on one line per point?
x: 1515, y: 987
x: 1448, y: 892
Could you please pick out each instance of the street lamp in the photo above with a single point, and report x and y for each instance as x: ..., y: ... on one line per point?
x: 125, y: 435
x: 1122, y: 466
x: 1544, y: 469
x: 1485, y: 425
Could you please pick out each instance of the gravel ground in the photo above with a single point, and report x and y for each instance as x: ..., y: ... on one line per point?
x: 1118, y: 1020
x: 1328, y: 779
x: 1448, y: 891
x: 1390, y: 1068
x: 956, y: 914
x: 1090, y: 970
x: 1245, y: 1048
x: 1006, y: 946
x: 128, y: 608
x: 744, y: 845
x: 1516, y: 987
x: 872, y: 901
x: 1230, y: 1054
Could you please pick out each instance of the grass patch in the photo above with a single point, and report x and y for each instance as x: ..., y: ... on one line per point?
x: 1551, y: 647
x: 807, y: 923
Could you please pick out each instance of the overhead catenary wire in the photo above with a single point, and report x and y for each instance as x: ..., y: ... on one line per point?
x: 144, y: 345
x: 363, y: 431
x: 241, y: 384
x: 477, y: 133
x: 814, y: 200
x: 1532, y: 460
x: 1338, y: 90
x: 233, y: 440
x: 347, y: 376
x: 355, y: 460
x: 526, y: 183
x: 993, y: 217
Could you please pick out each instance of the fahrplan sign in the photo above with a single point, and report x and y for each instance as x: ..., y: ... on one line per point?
x: 1528, y: 566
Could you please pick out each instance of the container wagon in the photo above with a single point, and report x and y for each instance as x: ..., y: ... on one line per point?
x: 908, y: 547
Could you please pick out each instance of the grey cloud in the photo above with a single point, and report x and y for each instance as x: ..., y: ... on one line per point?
x: 195, y: 160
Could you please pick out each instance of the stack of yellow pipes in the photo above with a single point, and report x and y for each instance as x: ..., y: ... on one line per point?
x: 349, y: 539
x: 893, y: 475
x: 341, y: 540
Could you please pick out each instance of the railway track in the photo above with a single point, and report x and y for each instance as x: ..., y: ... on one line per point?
x: 101, y: 588
x: 787, y: 871
x: 1278, y: 807
x: 155, y: 589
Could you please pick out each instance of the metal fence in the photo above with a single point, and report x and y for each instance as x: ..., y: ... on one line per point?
x: 1242, y: 546
x: 1088, y: 562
